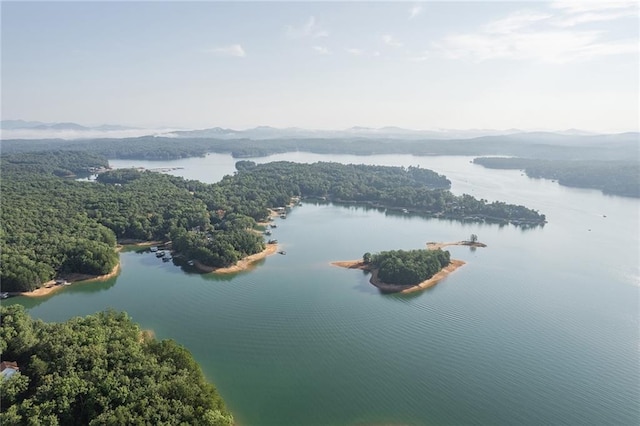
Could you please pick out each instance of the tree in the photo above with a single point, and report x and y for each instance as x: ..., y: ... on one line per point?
x: 473, y: 238
x: 366, y: 258
x: 98, y: 370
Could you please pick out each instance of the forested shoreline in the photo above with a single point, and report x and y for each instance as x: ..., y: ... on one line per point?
x: 621, y: 177
x: 100, y: 369
x: 529, y: 145
x: 52, y: 226
x: 593, y: 161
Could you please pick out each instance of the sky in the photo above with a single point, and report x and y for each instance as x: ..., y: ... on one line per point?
x: 323, y: 65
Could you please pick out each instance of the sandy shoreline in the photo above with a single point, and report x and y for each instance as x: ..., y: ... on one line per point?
x: 272, y: 215
x: 51, y: 287
x: 139, y: 243
x: 392, y: 288
x: 435, y: 246
x: 242, y: 265
x: 444, y: 272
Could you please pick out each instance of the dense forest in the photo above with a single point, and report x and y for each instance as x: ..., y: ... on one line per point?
x: 99, y: 370
x: 52, y: 226
x: 611, y: 177
x: 407, y: 267
x: 413, y: 189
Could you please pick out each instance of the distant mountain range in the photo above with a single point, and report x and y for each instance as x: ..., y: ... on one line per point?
x: 39, y: 125
x: 21, y: 129
x: 266, y: 132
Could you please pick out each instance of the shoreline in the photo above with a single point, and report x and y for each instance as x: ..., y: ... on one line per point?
x: 403, y: 289
x: 244, y: 264
x: 139, y: 243
x: 51, y: 287
x: 272, y: 215
x: 432, y: 245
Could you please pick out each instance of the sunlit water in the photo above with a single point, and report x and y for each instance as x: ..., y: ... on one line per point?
x: 540, y: 327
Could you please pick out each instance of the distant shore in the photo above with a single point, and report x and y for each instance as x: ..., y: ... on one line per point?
x: 243, y: 264
x: 51, y: 287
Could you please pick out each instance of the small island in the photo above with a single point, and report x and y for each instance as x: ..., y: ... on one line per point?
x: 407, y: 271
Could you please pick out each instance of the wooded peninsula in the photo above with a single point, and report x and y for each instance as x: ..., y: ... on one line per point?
x: 621, y: 177
x: 97, y: 370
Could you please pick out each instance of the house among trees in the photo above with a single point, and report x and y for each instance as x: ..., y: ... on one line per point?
x: 8, y: 369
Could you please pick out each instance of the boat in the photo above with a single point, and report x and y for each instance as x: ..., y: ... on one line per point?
x: 283, y: 216
x: 191, y: 263
x: 160, y: 254
x: 267, y: 232
x: 166, y: 259
x: 272, y: 242
x: 153, y: 249
x: 405, y: 211
x: 282, y: 252
x: 4, y: 295
x: 273, y: 225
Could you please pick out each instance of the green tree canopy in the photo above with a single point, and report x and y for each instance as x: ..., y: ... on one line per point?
x: 100, y: 370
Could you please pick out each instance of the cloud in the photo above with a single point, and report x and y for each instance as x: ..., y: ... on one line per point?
x: 591, y: 6
x: 514, y: 22
x: 415, y: 11
x: 355, y: 51
x: 419, y: 57
x: 556, y: 47
x: 308, y: 29
x: 585, y: 18
x: 575, y: 13
x: 232, y: 50
x: 322, y: 50
x: 81, y: 134
x: 389, y: 40
x: 542, y: 37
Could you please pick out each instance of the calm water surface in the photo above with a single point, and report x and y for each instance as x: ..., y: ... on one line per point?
x: 540, y: 327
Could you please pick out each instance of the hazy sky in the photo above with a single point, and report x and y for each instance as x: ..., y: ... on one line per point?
x: 326, y: 65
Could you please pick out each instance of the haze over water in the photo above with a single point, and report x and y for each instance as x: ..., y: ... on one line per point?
x: 540, y: 327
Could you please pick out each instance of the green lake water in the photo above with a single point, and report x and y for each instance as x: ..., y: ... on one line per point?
x: 540, y: 327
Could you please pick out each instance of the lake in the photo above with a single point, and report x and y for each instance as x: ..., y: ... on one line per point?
x: 540, y: 327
